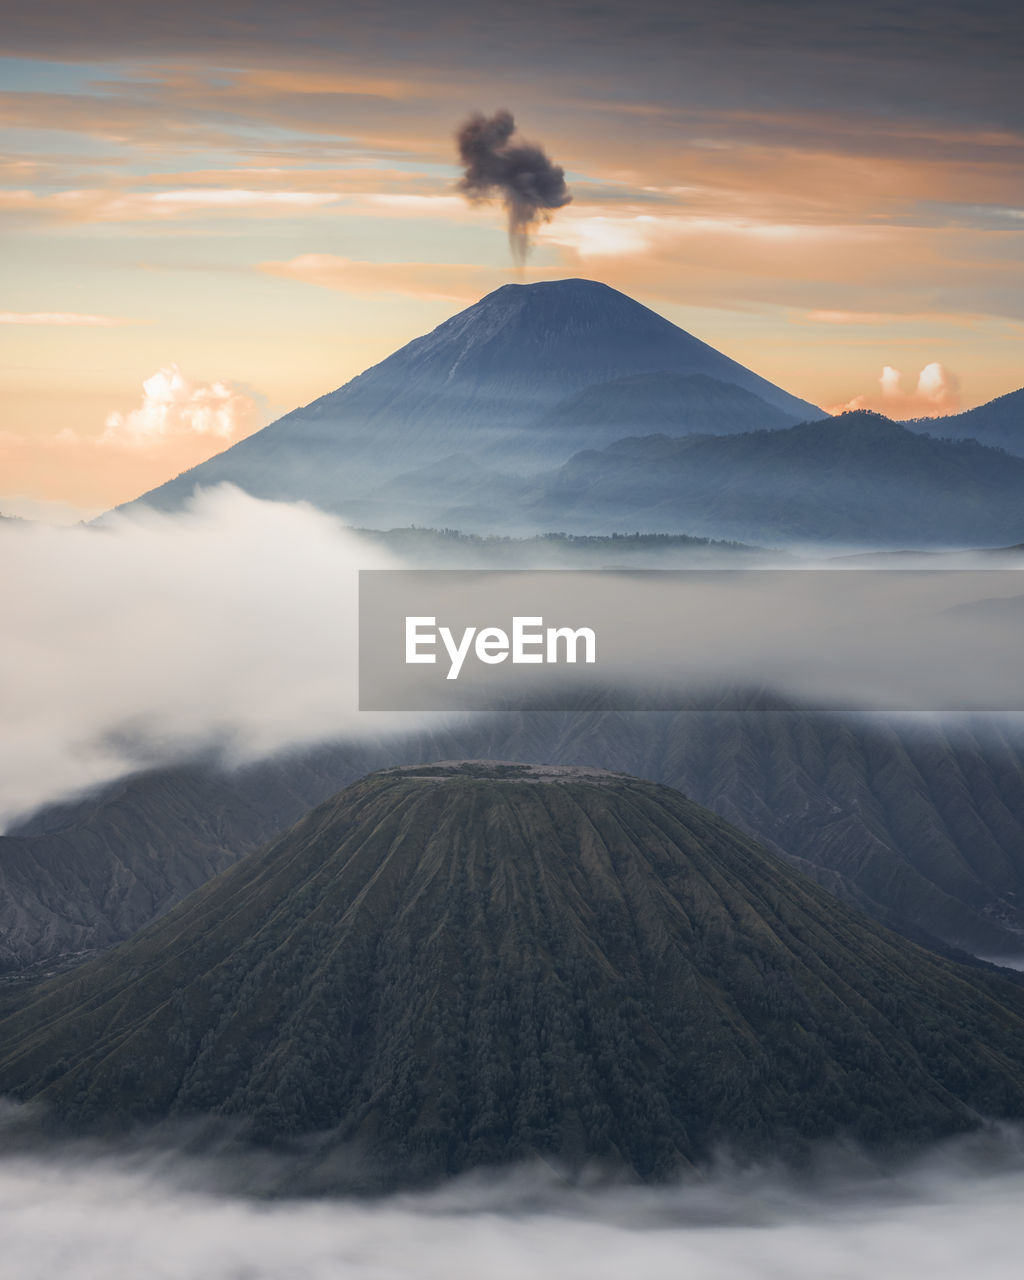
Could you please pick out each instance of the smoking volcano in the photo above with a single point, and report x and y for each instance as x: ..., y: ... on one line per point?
x: 471, y: 964
x: 476, y: 395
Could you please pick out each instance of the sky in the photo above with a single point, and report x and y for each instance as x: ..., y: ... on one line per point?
x: 213, y: 214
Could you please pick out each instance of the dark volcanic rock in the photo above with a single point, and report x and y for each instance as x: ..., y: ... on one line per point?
x: 920, y: 825
x: 471, y: 963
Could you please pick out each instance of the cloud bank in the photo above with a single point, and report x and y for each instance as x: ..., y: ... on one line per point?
x: 118, y: 1218
x: 229, y: 626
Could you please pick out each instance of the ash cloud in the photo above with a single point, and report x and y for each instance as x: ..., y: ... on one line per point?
x: 500, y: 164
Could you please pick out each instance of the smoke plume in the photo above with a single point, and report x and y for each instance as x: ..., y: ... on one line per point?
x: 498, y: 163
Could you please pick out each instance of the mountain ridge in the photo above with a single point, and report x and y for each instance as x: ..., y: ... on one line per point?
x: 998, y: 423
x: 921, y: 826
x: 859, y: 478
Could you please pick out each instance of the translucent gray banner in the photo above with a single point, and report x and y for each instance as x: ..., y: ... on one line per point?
x: 916, y: 640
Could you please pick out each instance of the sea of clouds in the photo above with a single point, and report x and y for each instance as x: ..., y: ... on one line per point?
x: 89, y: 1215
x: 227, y: 627
x: 230, y: 629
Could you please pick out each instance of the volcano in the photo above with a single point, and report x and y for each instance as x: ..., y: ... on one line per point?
x: 477, y: 394
x: 472, y: 963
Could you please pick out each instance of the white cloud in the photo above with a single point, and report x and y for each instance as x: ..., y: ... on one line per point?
x: 937, y: 393
x: 63, y: 318
x: 631, y: 235
x: 402, y: 203
x: 172, y: 406
x: 610, y: 236
x: 849, y: 317
x: 237, y: 198
x: 230, y: 625
x: 99, y: 205
x: 83, y: 1217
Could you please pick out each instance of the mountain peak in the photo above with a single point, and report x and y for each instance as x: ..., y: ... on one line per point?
x: 569, y: 294
x: 559, y: 327
x: 478, y: 962
x: 863, y: 422
x: 572, y: 287
x: 477, y: 387
x: 503, y: 771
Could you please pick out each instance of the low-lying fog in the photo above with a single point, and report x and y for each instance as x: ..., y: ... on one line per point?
x: 92, y: 1216
x: 230, y: 628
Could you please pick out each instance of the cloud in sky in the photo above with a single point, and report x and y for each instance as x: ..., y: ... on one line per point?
x: 172, y: 406
x: 834, y: 51
x: 853, y: 317
x: 114, y: 205
x: 937, y: 393
x: 811, y: 165
x: 87, y: 473
x: 59, y: 318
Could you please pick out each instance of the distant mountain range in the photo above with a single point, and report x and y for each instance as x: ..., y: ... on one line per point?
x: 565, y: 405
x: 922, y: 826
x: 857, y: 478
x: 1000, y: 423
x: 472, y: 964
x: 82, y: 876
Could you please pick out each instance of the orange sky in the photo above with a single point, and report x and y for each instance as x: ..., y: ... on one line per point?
x: 243, y: 217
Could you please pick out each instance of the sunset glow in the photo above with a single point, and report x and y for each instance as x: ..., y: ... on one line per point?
x: 278, y: 215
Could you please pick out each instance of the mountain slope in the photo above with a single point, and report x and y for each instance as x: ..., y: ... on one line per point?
x: 922, y: 825
x: 1000, y: 423
x: 83, y: 876
x: 477, y: 384
x: 671, y: 403
x: 448, y: 966
x: 859, y: 478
